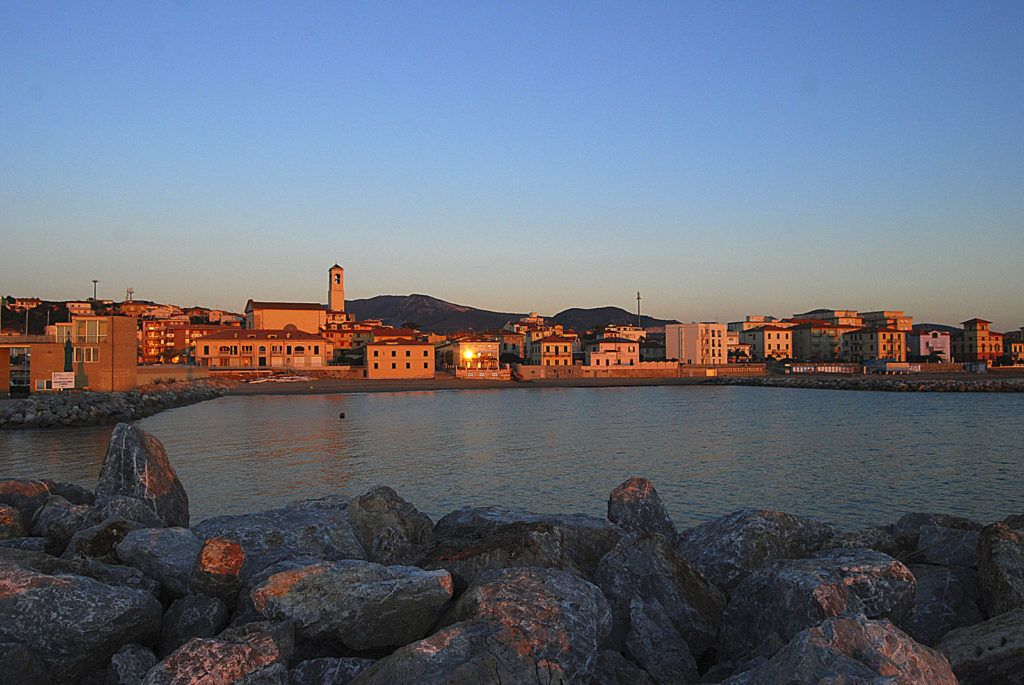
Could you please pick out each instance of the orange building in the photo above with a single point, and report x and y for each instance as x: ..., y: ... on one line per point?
x: 770, y: 341
x: 264, y: 349
x: 398, y: 359
x: 816, y: 340
x: 478, y: 352
x: 554, y: 350
x: 979, y: 343
x: 104, y: 351
x: 613, y: 352
x: 874, y: 344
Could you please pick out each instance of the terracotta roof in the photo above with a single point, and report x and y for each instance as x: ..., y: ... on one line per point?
x: 975, y: 320
x: 556, y: 338
x: 256, y: 304
x: 262, y: 334
x: 616, y: 340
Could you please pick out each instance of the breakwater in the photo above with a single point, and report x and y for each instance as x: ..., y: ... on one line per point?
x: 884, y: 384
x: 54, y: 410
x: 117, y: 585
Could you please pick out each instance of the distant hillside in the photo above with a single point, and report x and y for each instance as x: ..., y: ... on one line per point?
x: 432, y: 314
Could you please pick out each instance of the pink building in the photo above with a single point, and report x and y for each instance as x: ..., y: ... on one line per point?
x: 922, y: 343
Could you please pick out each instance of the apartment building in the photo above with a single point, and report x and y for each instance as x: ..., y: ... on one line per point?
x: 769, y: 342
x: 874, y: 344
x: 608, y: 352
x: 399, y: 359
x: 924, y: 344
x: 888, y: 319
x: 554, y: 350
x: 817, y: 340
x: 704, y: 343
x: 979, y: 343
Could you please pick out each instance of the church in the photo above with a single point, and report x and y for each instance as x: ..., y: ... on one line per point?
x: 309, y: 317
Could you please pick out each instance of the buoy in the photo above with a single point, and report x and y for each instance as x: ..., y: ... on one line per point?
x: 341, y: 415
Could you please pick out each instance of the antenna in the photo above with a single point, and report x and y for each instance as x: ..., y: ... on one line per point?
x: 128, y: 294
x: 94, y: 282
x: 638, y: 309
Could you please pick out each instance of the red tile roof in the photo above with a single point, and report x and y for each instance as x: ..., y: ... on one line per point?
x: 263, y: 334
x: 254, y: 304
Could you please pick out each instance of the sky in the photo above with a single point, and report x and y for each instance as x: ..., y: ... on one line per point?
x: 723, y: 159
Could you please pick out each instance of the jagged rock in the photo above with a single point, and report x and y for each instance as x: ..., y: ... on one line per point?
x: 100, y: 540
x: 730, y: 548
x: 28, y: 495
x: 29, y: 544
x: 218, y: 569
x: 775, y: 603
x: 358, y: 604
x: 635, y: 506
x: 108, y: 574
x: 328, y: 671
x: 880, y: 538
x: 130, y: 509
x: 189, y: 617
x: 59, y: 519
x: 908, y: 527
x: 22, y: 666
x: 615, y: 669
x: 75, y: 624
x: 317, y: 528
x: 1001, y: 568
x: 281, y: 632
x: 851, y: 650
x: 512, y: 625
x: 130, y: 665
x: 166, y: 554
x: 390, y: 529
x: 12, y: 524
x: 657, y: 646
x: 989, y: 653
x: 136, y: 466
x: 948, y: 546
x: 1015, y: 521
x: 942, y: 604
x: 647, y: 568
x: 211, y: 660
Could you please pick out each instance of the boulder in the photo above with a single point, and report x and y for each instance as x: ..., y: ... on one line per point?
x: 319, y: 529
x: 59, y: 519
x: 908, y: 528
x: 130, y: 665
x: 166, y: 554
x: 988, y: 653
x: 189, y: 617
x: 879, y: 538
x: 75, y: 624
x: 109, y: 574
x: 657, y: 646
x: 28, y: 544
x: 100, y: 540
x: 358, y: 604
x: 129, y: 509
x: 218, y: 569
x: 512, y: 625
x: 12, y: 524
x: 136, y: 466
x: 943, y: 602
x: 615, y: 669
x: 730, y: 548
x: 328, y: 671
x: 947, y: 546
x: 1015, y: 521
x: 214, y: 660
x: 28, y: 495
x: 22, y: 666
x: 785, y: 597
x: 281, y: 632
x: 636, y: 507
x: 851, y: 649
x: 1001, y: 568
x: 646, y: 567
x: 390, y: 529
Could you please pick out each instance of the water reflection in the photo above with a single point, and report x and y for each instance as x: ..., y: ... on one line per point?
x: 848, y: 457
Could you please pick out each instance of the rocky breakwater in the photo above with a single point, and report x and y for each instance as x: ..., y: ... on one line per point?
x: 115, y: 585
x: 54, y: 410
x: 883, y: 383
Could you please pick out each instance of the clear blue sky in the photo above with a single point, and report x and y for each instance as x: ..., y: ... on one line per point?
x: 722, y: 158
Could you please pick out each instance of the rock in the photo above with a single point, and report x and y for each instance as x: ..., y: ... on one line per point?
x: 130, y: 665
x: 358, y: 604
x: 166, y: 554
x: 908, y: 527
x: 948, y: 546
x: 880, y: 538
x: 211, y: 660
x: 615, y: 669
x: 657, y: 646
x: 189, y: 617
x: 390, y: 529
x: 318, y: 529
x: 130, y: 509
x: 647, y: 568
x: 100, y: 540
x: 1015, y: 521
x: 28, y: 544
x: 12, y: 525
x: 281, y: 632
x: 775, y: 603
x: 942, y: 604
x: 328, y: 671
x: 22, y: 666
x: 28, y: 495
x: 75, y: 624
x: 136, y: 466
x: 851, y: 650
x: 218, y: 569
x: 989, y: 653
x: 728, y: 549
x: 59, y: 519
x: 512, y: 625
x: 1001, y: 568
x: 635, y: 506
x: 108, y: 574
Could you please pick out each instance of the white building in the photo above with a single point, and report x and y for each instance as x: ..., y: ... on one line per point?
x: 613, y: 352
x: 702, y: 343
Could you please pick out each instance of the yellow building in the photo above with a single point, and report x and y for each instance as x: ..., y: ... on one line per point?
x: 874, y: 344
x: 769, y: 342
x: 839, y: 317
x: 264, y: 349
x: 554, y: 350
x: 398, y: 359
x: 818, y: 340
x: 979, y: 342
x: 888, y: 319
x: 704, y: 343
x: 471, y: 352
x: 308, y: 317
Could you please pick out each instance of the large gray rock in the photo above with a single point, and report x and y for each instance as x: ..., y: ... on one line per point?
x: 22, y: 666
x: 130, y: 665
x: 948, y: 546
x: 730, y: 548
x: 989, y: 653
x: 390, y: 529
x: 28, y: 495
x: 785, y: 597
x: 358, y: 604
x: 512, y: 625
x: 59, y: 519
x: 318, y: 528
x: 100, y: 540
x: 647, y: 568
x: 213, y: 660
x: 31, y: 544
x: 908, y: 528
x: 328, y: 671
x: 12, y: 523
x: 189, y: 617
x: 75, y: 624
x: 657, y: 646
x: 1001, y: 568
x: 636, y: 507
x: 108, y: 574
x: 218, y: 569
x: 166, y: 554
x: 129, y: 509
x: 851, y: 650
x: 943, y: 603
x: 879, y: 538
x: 136, y: 466
x: 615, y: 669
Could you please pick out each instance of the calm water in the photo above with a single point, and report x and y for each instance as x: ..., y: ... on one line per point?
x: 851, y: 458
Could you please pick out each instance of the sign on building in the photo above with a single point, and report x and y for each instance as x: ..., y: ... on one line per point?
x: 62, y: 380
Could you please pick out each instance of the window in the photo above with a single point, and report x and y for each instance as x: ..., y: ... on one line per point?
x: 393, y: 365
x: 424, y: 365
x: 424, y: 354
x: 299, y: 349
x: 393, y: 354
x: 224, y: 349
x: 408, y: 353
x: 206, y: 349
x: 375, y: 365
x: 376, y: 353
x: 316, y: 349
x: 87, y: 355
x: 407, y: 365
x: 247, y: 348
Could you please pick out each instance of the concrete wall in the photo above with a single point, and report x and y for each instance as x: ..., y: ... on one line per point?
x: 171, y: 372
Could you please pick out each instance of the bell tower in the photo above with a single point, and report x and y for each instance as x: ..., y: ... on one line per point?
x: 336, y: 289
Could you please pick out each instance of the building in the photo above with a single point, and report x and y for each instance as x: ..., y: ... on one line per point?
x: 817, y: 340
x: 398, y: 359
x: 236, y: 349
x: 156, y: 338
x: 20, y: 304
x: 702, y: 343
x: 554, y: 350
x: 477, y: 352
x: 308, y: 317
x: 979, y: 343
x: 608, y: 352
x: 77, y: 308
x: 28, y: 362
x: 888, y: 319
x: 103, y: 351
x: 874, y: 344
x: 736, y: 352
x: 750, y: 321
x: 769, y: 342
x: 839, y: 317
x: 634, y: 333
x: 927, y: 344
